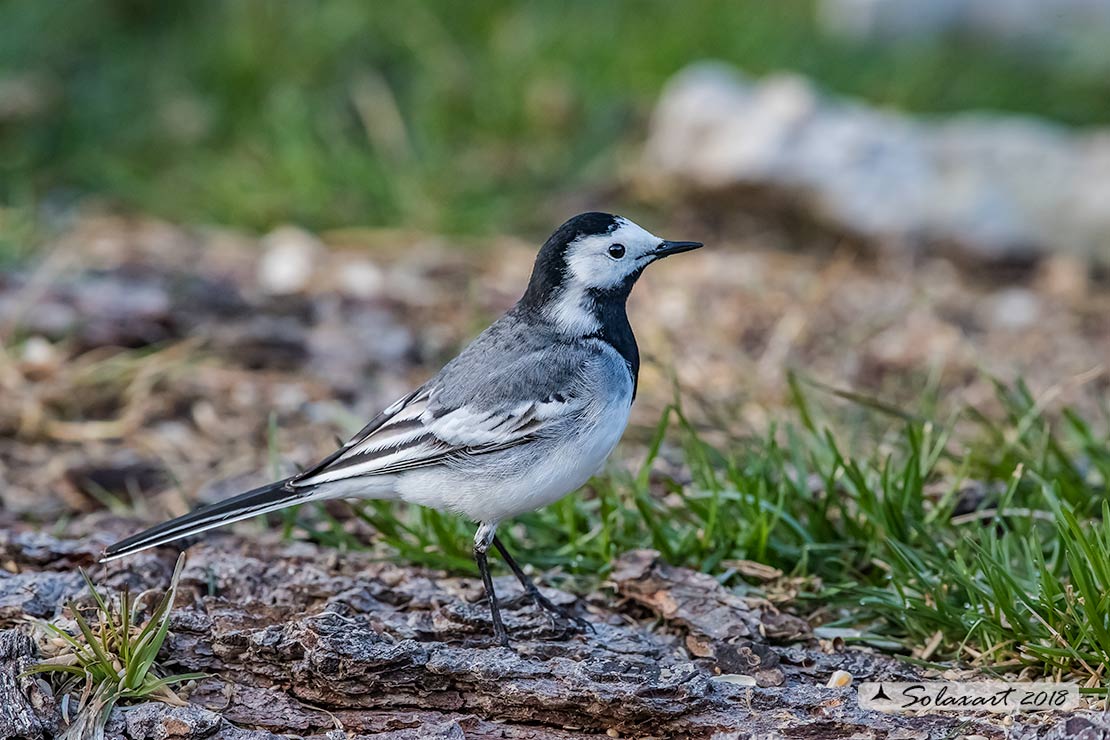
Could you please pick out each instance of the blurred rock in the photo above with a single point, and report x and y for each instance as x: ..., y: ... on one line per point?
x: 350, y: 341
x: 987, y: 186
x: 1014, y: 308
x: 52, y: 318
x: 32, y: 594
x: 126, y: 307
x: 197, y: 298
x: 1036, y: 23
x: 263, y: 341
x: 38, y: 357
x: 121, y: 297
x: 361, y: 279
x: 288, y: 261
x: 113, y: 309
x: 123, y: 478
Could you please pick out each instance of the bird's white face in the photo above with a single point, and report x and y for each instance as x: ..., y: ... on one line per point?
x: 605, y: 261
x: 600, y: 262
x: 588, y: 266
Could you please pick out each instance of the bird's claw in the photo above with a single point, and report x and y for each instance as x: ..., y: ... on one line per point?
x: 580, y: 624
x: 562, y: 617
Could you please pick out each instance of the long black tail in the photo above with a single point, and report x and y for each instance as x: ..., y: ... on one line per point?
x: 259, y: 501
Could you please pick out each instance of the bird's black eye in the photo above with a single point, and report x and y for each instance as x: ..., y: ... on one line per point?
x: 616, y: 251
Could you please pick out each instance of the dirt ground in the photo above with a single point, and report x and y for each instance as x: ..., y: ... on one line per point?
x: 145, y: 366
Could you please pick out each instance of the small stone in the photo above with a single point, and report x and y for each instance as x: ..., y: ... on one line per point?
x: 38, y: 356
x: 287, y: 265
x: 361, y: 279
x: 1014, y: 308
x: 839, y: 679
x: 737, y: 679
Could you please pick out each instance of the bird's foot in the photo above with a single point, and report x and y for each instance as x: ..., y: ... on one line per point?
x: 500, y: 634
x: 501, y: 639
x: 563, y: 617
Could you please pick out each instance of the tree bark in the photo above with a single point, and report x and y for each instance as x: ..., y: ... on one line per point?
x: 308, y: 643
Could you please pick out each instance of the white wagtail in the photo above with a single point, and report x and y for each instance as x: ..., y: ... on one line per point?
x: 523, y: 416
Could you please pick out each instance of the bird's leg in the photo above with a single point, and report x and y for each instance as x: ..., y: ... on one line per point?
x: 534, y: 593
x: 482, y: 539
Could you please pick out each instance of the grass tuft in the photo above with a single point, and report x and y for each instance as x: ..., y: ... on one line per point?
x: 110, y: 657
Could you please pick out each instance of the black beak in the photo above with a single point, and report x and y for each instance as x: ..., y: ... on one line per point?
x: 666, y: 249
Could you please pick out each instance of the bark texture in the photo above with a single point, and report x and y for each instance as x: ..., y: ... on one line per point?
x: 26, y: 703
x: 306, y: 643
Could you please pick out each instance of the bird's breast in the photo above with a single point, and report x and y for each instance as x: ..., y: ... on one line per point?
x: 504, y: 484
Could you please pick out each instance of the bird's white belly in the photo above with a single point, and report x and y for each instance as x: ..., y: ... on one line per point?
x: 523, y: 481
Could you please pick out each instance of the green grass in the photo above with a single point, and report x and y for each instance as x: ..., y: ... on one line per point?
x: 987, y: 536
x: 471, y: 117
x: 111, y: 657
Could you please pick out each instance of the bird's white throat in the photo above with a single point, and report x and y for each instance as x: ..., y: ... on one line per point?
x: 573, y: 312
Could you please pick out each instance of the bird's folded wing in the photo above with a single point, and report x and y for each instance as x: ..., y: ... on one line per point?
x: 416, y: 432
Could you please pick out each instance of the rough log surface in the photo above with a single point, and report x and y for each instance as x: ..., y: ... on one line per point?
x: 26, y: 704
x: 307, y: 643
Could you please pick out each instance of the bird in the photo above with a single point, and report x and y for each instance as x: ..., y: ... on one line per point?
x: 525, y: 414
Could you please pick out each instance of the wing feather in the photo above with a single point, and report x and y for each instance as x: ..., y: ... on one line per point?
x: 471, y: 407
x: 418, y: 434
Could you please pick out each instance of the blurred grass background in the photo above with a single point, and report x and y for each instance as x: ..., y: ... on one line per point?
x: 473, y: 117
